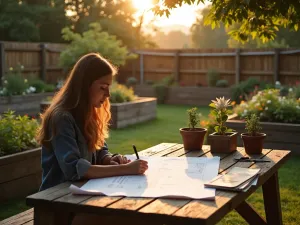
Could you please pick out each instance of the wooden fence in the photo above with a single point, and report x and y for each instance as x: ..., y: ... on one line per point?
x: 39, y: 59
x: 188, y: 66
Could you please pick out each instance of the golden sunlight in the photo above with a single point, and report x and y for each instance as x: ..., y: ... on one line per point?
x: 142, y: 5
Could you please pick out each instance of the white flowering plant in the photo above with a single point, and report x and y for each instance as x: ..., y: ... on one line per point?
x: 220, y: 113
x: 270, y: 106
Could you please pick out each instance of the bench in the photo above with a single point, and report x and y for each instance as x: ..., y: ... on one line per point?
x: 24, y: 218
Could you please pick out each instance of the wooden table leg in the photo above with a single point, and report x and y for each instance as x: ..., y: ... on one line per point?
x: 249, y: 214
x: 272, y: 200
x: 45, y: 216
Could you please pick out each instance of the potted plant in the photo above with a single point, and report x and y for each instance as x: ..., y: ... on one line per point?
x: 193, y: 136
x: 223, y: 140
x: 253, y: 140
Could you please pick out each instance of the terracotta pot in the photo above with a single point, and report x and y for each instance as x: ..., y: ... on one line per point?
x: 253, y: 144
x: 193, y: 138
x: 223, y: 143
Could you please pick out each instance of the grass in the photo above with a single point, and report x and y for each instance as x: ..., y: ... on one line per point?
x: 166, y: 129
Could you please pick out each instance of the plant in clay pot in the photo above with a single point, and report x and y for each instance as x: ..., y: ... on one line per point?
x: 193, y: 136
x: 223, y: 140
x: 253, y: 140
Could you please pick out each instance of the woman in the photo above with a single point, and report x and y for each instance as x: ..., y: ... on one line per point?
x: 75, y: 125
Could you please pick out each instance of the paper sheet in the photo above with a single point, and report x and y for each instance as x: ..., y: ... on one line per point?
x: 172, y: 177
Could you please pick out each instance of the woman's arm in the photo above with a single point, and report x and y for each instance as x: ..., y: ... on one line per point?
x: 132, y: 168
x: 74, y: 166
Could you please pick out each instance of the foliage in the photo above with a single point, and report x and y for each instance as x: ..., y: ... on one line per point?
x: 204, y: 36
x: 252, y: 124
x: 161, y: 88
x: 193, y: 117
x: 93, y: 40
x: 222, y: 83
x: 120, y: 93
x: 175, y: 39
x: 272, y: 107
x: 220, y: 112
x: 32, y: 20
x: 260, y: 19
x: 15, y: 84
x: 242, y: 91
x: 131, y: 81
x: 212, y: 77
x: 40, y: 86
x: 17, y: 133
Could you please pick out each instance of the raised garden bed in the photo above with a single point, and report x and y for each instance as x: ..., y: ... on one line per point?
x: 23, y: 104
x: 20, y: 174
x: 200, y: 96
x: 129, y: 113
x: 283, y: 136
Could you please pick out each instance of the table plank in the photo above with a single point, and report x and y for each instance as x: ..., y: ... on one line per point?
x: 226, y: 201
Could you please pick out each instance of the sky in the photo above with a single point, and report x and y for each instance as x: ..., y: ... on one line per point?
x: 184, y: 15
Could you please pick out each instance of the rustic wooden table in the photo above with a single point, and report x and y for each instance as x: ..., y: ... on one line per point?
x: 54, y: 204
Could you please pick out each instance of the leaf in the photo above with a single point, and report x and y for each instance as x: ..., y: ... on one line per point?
x: 217, y: 128
x: 212, y: 105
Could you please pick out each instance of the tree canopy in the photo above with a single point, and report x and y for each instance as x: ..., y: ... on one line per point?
x: 258, y: 19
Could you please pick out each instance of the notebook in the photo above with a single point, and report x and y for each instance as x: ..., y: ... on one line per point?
x: 237, y: 179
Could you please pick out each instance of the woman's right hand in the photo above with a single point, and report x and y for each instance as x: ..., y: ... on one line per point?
x: 137, y: 167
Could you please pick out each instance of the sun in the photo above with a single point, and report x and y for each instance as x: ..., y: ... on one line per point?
x: 142, y: 5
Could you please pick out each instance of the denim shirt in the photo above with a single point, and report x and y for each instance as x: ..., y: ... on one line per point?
x: 69, y: 158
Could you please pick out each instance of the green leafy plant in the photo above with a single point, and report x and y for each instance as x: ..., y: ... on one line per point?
x: 120, y: 93
x: 220, y: 112
x: 193, y: 117
x: 17, y: 133
x: 222, y: 83
x: 131, y: 81
x: 252, y: 125
x: 161, y: 88
x: 93, y: 40
x: 212, y: 77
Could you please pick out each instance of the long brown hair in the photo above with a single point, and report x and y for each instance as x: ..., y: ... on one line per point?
x: 73, y: 97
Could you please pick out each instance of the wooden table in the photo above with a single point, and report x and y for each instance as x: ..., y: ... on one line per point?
x: 53, y: 204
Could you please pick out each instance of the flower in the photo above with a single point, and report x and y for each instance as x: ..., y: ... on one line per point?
x: 269, y: 101
x: 233, y: 103
x: 5, y: 81
x: 22, y: 67
x: 290, y: 89
x: 266, y: 108
x: 11, y: 69
x: 221, y: 103
x: 25, y: 81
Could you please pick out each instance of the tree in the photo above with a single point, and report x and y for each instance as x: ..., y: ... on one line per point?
x: 173, y: 39
x: 30, y: 20
x: 93, y: 40
x: 257, y: 18
x: 204, y: 36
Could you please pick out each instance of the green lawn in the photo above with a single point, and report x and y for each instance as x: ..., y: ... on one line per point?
x: 166, y: 129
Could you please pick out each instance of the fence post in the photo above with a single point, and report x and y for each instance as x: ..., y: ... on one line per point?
x: 276, y: 64
x: 2, y: 61
x: 177, y: 66
x: 141, y: 68
x: 43, y: 62
x: 237, y: 66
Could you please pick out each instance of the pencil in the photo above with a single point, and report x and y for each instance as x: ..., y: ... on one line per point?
x: 135, y: 151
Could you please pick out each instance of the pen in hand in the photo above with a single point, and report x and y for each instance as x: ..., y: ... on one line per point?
x: 135, y: 151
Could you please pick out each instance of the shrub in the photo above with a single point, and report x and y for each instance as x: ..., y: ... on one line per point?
x: 17, y: 133
x: 131, y: 81
x: 149, y: 82
x: 245, y: 89
x: 270, y: 106
x: 222, y: 83
x: 93, y: 40
x: 120, y: 93
x: 49, y: 88
x: 212, y: 77
x: 38, y: 84
x: 193, y: 117
x: 161, y: 91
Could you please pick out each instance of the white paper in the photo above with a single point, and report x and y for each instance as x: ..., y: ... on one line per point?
x: 171, y: 177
